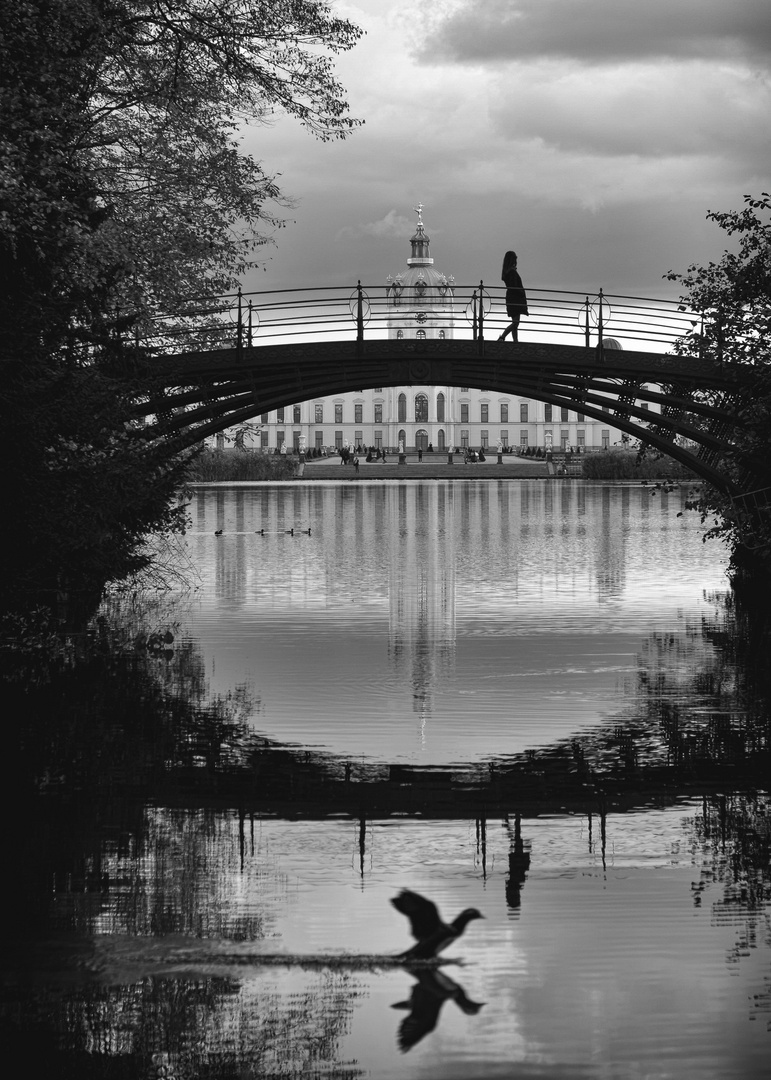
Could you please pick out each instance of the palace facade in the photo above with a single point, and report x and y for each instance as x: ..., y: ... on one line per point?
x: 420, y: 304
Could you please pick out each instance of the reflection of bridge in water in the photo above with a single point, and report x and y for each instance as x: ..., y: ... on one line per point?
x: 299, y: 784
x: 286, y: 347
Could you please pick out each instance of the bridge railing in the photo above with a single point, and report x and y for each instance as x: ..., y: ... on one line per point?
x: 361, y: 312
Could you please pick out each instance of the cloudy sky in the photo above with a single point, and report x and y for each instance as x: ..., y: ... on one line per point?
x: 592, y: 136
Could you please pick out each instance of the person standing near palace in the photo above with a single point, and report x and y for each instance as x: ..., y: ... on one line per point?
x: 516, y: 300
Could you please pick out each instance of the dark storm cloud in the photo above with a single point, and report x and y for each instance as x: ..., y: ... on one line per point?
x: 603, y: 31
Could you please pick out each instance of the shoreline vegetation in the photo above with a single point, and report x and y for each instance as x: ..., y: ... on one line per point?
x: 236, y: 465
x: 618, y: 464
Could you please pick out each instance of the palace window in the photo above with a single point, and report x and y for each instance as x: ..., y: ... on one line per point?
x: 263, y: 418
x: 464, y: 412
x: 338, y: 414
x: 504, y: 412
x: 295, y: 414
x: 581, y: 439
x: 484, y: 414
x: 399, y: 334
x: 421, y: 409
x: 319, y: 435
x: 564, y: 416
x: 280, y: 415
x: 358, y: 413
x: 338, y: 440
x: 505, y: 438
x: 421, y: 335
x: 523, y: 438
x: 442, y: 335
x: 580, y: 417
x: 564, y: 439
x: 264, y: 439
x: 523, y: 414
x: 440, y: 408
x: 464, y: 438
x: 547, y: 414
x: 484, y: 438
x: 280, y: 437
x: 401, y: 414
x: 378, y: 413
x: 379, y: 440
x: 605, y: 438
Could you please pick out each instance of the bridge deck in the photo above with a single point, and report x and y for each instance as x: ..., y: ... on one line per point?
x: 502, y: 358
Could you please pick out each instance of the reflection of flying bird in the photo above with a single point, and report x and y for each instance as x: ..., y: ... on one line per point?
x: 428, y: 995
x: 432, y: 934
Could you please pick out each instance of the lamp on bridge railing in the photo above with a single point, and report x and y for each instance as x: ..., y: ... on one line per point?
x: 253, y: 324
x: 246, y: 326
x: 478, y: 306
x: 360, y: 310
x: 597, y: 313
x: 236, y: 315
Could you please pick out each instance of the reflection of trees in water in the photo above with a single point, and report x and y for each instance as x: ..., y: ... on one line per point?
x: 731, y: 839
x: 697, y: 714
x: 699, y: 719
x: 98, y: 738
x: 212, y: 1027
x: 97, y: 729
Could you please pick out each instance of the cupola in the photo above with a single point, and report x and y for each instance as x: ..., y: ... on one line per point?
x: 420, y: 243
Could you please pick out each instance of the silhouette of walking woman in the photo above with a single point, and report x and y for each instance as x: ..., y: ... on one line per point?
x: 516, y: 301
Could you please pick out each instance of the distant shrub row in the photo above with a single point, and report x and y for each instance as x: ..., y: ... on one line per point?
x: 234, y: 464
x: 625, y: 465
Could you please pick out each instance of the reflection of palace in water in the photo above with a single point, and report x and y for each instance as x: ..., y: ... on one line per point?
x: 421, y: 588
x: 427, y: 551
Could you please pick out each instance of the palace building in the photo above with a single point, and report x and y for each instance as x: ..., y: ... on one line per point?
x: 421, y: 304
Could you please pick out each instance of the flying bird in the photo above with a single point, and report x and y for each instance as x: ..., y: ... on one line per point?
x: 431, y: 933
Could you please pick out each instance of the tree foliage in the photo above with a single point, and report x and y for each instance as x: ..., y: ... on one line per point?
x: 733, y: 300
x: 125, y: 192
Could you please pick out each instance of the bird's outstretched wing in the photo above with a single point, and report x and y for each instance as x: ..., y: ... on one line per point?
x: 422, y: 913
x: 424, y: 1009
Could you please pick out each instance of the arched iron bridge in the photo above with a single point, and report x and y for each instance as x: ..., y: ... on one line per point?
x: 221, y: 364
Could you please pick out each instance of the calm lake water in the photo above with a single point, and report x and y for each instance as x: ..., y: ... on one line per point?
x: 531, y: 698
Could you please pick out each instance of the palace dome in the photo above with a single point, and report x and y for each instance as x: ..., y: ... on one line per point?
x: 420, y: 281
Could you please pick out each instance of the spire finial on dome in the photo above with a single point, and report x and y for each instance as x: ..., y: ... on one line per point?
x: 420, y: 242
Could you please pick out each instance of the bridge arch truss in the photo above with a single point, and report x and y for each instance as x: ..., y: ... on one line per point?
x: 198, y: 394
